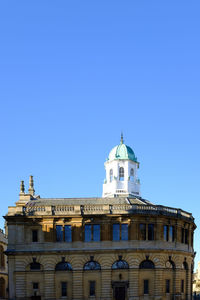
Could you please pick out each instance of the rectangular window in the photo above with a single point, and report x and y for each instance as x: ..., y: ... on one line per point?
x: 59, y: 233
x: 182, y: 235
x: 88, y: 233
x: 167, y: 286
x: 35, y: 285
x: 186, y: 236
x: 34, y: 236
x: 68, y: 233
x: 116, y: 232
x: 124, y: 232
x: 63, y: 289
x: 146, y: 286
x: 96, y: 233
x: 142, y: 232
x: 171, y: 233
x: 165, y: 232
x: 92, y: 288
x: 150, y: 232
x: 182, y: 286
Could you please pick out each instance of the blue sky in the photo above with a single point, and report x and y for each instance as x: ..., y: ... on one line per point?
x: 74, y: 74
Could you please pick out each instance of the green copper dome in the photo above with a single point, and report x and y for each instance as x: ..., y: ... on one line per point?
x: 122, y: 151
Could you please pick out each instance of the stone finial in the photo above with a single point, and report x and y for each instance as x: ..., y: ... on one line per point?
x: 22, y: 188
x: 31, y: 186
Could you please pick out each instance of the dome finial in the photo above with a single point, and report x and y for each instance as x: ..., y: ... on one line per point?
x: 122, y: 138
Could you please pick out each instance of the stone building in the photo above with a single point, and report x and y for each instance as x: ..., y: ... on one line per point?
x: 3, y: 266
x: 117, y: 247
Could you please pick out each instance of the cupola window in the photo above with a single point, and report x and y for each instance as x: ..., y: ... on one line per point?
x: 111, y: 175
x: 121, y: 174
x: 132, y: 175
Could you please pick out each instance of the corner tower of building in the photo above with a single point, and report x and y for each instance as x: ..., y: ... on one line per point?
x: 121, y: 172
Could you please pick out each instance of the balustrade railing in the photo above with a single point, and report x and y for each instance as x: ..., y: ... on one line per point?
x: 105, y: 209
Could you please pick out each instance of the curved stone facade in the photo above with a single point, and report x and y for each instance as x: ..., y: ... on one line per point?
x: 99, y: 248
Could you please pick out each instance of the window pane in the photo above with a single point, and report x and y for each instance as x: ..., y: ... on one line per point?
x: 121, y: 174
x: 186, y: 236
x: 64, y: 288
x: 88, y: 233
x: 124, y: 232
x: 167, y: 288
x: 182, y: 286
x: 35, y: 285
x: 165, y: 229
x: 92, y: 288
x: 111, y: 175
x: 59, y: 233
x: 142, y: 232
x: 116, y: 232
x: 34, y: 235
x: 96, y: 233
x: 150, y: 232
x: 68, y: 233
x: 146, y: 286
x: 171, y: 234
x: 132, y: 175
x: 182, y: 235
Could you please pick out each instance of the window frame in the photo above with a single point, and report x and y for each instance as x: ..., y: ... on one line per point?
x: 93, y: 232
x: 121, y: 174
x: 167, y: 286
x: 63, y: 233
x: 63, y: 289
x: 34, y: 235
x: 92, y: 288
x: 121, y: 231
x: 146, y: 287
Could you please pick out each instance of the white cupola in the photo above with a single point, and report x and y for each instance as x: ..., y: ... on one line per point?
x: 121, y: 172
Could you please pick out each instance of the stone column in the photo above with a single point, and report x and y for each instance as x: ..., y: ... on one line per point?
x: 20, y: 280
x: 106, y: 288
x: 49, y: 285
x: 158, y: 284
x: 11, y: 281
x: 77, y: 285
x: 133, y: 284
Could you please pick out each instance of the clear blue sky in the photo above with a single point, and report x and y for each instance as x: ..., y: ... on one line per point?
x: 73, y: 74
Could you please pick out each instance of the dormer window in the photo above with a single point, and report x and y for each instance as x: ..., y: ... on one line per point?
x: 132, y: 175
x: 111, y: 175
x: 121, y: 174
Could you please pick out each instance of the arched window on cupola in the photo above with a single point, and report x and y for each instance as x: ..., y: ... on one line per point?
x: 111, y: 175
x: 121, y: 174
x: 132, y: 174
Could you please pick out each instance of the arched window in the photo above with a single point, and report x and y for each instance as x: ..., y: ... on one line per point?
x: 91, y: 265
x: 170, y: 264
x: 121, y: 174
x: 111, y: 175
x: 120, y: 264
x: 2, y: 258
x: 147, y: 264
x: 63, y: 266
x: 35, y: 265
x: 132, y: 175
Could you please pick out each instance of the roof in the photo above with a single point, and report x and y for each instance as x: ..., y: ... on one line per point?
x: 122, y: 151
x: 87, y: 201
